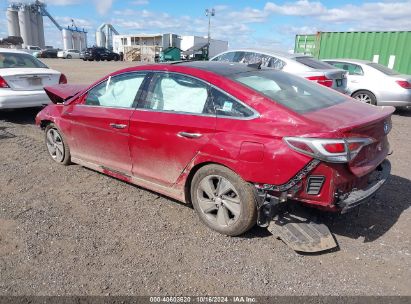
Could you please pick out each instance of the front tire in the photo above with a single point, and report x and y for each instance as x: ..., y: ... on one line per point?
x: 68, y: 56
x: 223, y: 200
x: 365, y: 96
x: 56, y: 145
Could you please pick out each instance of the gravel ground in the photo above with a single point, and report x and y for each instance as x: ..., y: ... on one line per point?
x: 72, y: 231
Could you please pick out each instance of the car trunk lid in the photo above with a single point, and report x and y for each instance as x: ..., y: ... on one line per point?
x: 31, y: 79
x: 358, y: 120
x: 339, y: 78
x: 63, y: 92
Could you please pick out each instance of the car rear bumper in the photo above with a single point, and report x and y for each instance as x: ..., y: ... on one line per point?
x: 360, y: 196
x: 23, y: 99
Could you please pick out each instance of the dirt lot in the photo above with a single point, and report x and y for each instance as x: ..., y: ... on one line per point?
x: 72, y: 231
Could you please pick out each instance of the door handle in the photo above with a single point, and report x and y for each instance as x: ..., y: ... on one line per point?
x: 189, y: 135
x: 117, y: 126
x: 354, y: 81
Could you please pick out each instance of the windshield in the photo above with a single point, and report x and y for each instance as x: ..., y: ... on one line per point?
x: 296, y: 93
x: 18, y: 60
x: 383, y: 69
x: 314, y: 63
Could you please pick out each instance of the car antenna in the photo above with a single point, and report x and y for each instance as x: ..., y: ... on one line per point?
x: 256, y: 65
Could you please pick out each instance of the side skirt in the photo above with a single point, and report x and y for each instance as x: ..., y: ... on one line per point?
x: 167, y: 191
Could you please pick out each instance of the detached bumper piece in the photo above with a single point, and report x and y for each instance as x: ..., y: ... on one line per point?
x: 304, y: 236
x: 358, y: 197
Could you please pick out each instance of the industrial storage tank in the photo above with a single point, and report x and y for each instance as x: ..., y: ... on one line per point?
x: 83, y: 41
x: 67, y: 39
x: 100, y: 39
x: 76, y: 40
x: 40, y: 30
x: 24, y: 23
x: 13, y: 22
x: 34, y: 28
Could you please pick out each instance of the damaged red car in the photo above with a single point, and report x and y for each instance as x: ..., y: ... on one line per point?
x: 236, y: 141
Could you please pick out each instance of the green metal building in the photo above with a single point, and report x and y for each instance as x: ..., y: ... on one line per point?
x: 392, y: 49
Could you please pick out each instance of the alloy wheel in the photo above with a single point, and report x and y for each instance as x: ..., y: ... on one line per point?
x: 363, y: 98
x: 55, y: 145
x: 219, y: 200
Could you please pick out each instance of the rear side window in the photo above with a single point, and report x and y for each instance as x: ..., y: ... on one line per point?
x: 314, y: 63
x: 17, y: 60
x: 352, y: 69
x: 118, y: 92
x: 293, y: 92
x: 227, y: 106
x: 383, y: 69
x: 226, y: 57
x: 178, y: 93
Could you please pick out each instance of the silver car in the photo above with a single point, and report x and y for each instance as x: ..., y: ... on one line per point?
x: 297, y: 64
x: 374, y: 83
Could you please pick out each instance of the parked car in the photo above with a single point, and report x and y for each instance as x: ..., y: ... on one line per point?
x: 31, y: 49
x: 298, y: 64
x: 100, y: 53
x: 48, y: 53
x: 374, y: 83
x: 22, y: 78
x: 231, y: 139
x: 69, y: 54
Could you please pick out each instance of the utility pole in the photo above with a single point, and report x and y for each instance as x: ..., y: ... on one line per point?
x: 209, y: 13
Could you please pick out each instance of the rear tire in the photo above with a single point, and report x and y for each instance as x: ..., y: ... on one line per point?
x: 223, y: 200
x: 365, y: 96
x: 97, y: 59
x: 56, y: 145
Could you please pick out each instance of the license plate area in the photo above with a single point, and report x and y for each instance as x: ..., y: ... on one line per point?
x: 35, y: 81
x: 339, y: 82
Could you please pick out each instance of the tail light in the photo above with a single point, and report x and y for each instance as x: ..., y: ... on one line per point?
x: 322, y: 80
x: 329, y: 150
x: 3, y: 83
x: 404, y: 84
x: 63, y: 79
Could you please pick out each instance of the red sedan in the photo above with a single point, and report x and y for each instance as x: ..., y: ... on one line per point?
x: 233, y: 140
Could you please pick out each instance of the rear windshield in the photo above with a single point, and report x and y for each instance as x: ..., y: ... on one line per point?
x: 383, y: 69
x: 296, y: 93
x: 17, y: 60
x: 314, y: 63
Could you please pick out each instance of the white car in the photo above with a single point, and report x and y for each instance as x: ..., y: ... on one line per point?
x: 69, y: 54
x: 374, y: 83
x: 22, y: 79
x: 297, y: 64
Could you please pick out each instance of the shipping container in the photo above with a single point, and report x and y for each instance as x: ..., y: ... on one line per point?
x: 392, y: 49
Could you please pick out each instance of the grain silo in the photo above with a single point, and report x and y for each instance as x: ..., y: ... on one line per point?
x: 34, y: 27
x: 24, y: 24
x: 13, y: 21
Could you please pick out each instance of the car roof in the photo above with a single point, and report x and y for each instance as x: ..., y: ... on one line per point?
x: 218, y: 67
x: 278, y: 54
x: 349, y: 60
x: 4, y: 50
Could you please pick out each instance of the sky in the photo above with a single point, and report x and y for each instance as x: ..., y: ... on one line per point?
x: 253, y: 23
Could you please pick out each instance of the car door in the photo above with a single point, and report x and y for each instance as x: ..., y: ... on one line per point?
x: 355, y: 77
x: 100, y: 122
x: 171, y: 124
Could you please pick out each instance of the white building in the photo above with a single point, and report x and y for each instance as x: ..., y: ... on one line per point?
x: 147, y: 47
x: 196, y: 43
x: 153, y: 40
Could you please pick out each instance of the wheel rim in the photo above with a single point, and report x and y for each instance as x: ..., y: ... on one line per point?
x: 55, y: 145
x: 219, y: 200
x: 363, y: 98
